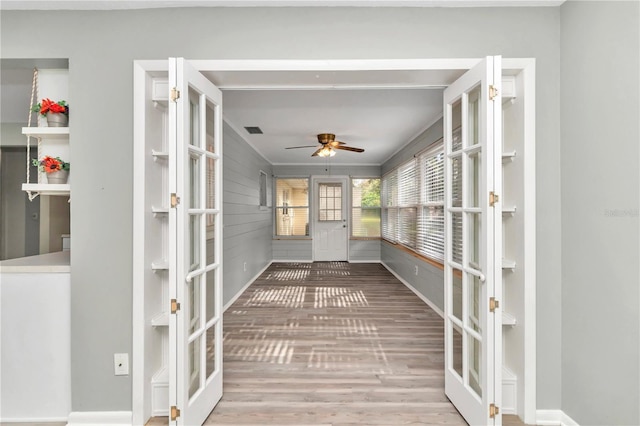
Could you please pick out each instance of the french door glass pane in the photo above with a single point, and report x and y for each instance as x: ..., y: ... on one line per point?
x: 194, y: 116
x: 194, y: 181
x: 475, y: 366
x: 194, y: 241
x: 474, y: 288
x: 456, y: 294
x: 456, y: 237
x: 211, y: 295
x: 193, y: 290
x: 210, y: 239
x: 194, y: 366
x: 474, y: 231
x: 211, y: 350
x: 456, y: 117
x: 456, y: 347
x: 474, y: 168
x: 456, y: 181
x: 473, y: 116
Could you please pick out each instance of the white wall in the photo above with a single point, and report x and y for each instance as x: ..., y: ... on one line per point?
x: 101, y: 47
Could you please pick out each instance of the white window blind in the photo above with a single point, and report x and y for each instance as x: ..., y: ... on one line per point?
x: 430, y: 238
x: 390, y: 203
x: 407, y: 204
x: 413, y: 203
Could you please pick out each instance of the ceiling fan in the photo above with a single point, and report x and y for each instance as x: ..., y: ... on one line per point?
x: 328, y: 145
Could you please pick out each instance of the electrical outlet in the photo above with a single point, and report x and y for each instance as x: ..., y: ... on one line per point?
x: 121, y: 364
x: 244, y: 266
x: 416, y: 269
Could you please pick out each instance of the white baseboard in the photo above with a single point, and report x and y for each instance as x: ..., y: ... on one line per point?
x: 33, y: 419
x: 290, y: 261
x: 554, y: 418
x: 245, y: 287
x: 100, y: 418
x: 413, y: 289
x: 365, y: 261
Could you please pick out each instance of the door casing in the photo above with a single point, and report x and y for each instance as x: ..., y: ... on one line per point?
x: 148, y: 67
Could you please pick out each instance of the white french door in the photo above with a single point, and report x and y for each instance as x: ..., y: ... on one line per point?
x: 330, y: 231
x: 473, y: 246
x: 195, y: 329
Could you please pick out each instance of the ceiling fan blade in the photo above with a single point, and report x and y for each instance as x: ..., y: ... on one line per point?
x: 336, y: 143
x: 305, y: 146
x: 348, y: 148
x: 315, y: 154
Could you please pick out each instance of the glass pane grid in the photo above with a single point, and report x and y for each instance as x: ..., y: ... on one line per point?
x: 330, y: 202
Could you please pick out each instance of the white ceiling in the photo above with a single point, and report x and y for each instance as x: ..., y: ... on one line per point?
x: 380, y: 121
x: 379, y: 110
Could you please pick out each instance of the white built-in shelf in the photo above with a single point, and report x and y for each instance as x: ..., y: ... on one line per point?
x: 508, y: 264
x: 161, y: 376
x: 162, y: 320
x: 47, y: 132
x: 508, y: 319
x: 509, y: 211
x: 159, y: 211
x: 48, y: 188
x: 508, y: 156
x: 159, y: 154
x: 161, y: 265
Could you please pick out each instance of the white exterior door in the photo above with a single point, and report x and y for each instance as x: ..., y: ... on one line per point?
x: 330, y: 230
x: 473, y: 247
x: 195, y: 326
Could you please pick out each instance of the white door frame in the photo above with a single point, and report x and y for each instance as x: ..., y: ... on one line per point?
x: 144, y: 67
x: 313, y: 208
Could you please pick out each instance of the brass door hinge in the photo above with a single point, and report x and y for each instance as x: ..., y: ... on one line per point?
x: 494, y: 410
x: 175, y: 94
x: 175, y: 306
x: 493, y: 198
x: 493, y: 92
x: 175, y: 412
x: 493, y: 304
x: 175, y: 200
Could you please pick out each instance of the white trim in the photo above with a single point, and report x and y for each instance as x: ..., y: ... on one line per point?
x: 554, y: 418
x: 364, y: 261
x: 100, y: 418
x: 149, y: 4
x: 245, y: 287
x: 4, y: 420
x: 413, y: 289
x: 138, y: 320
x: 291, y: 261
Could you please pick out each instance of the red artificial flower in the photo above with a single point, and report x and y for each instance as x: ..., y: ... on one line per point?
x: 51, y: 164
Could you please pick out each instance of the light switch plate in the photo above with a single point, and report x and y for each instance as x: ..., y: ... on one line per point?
x: 121, y: 364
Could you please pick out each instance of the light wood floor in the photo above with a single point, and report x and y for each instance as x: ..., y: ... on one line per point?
x: 332, y: 344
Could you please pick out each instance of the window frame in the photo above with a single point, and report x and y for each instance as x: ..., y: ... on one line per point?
x: 286, y: 206
x: 351, y: 208
x: 396, y: 199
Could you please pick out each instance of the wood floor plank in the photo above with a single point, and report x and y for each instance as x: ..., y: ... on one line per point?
x: 335, y: 344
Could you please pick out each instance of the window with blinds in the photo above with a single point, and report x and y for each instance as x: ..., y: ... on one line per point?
x: 407, y: 204
x: 431, y: 217
x: 292, y: 207
x: 365, y: 208
x: 413, y: 203
x: 390, y: 206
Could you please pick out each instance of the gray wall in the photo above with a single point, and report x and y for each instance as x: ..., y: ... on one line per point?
x: 247, y: 229
x: 600, y: 153
x: 101, y: 47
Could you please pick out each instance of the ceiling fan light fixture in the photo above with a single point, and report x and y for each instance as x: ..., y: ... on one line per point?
x: 326, y: 152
